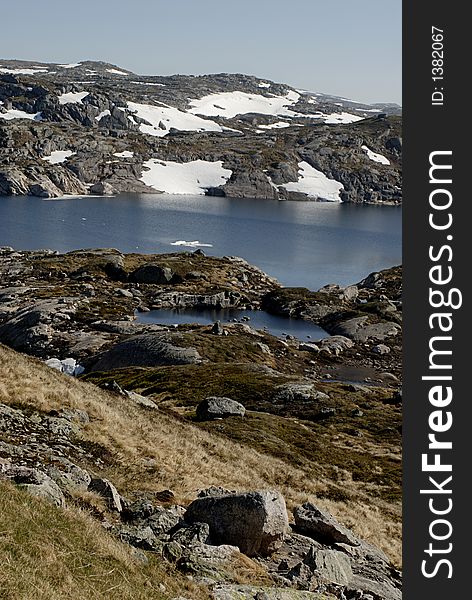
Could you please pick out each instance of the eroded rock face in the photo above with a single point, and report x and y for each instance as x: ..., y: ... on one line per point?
x: 256, y: 522
x: 152, y: 273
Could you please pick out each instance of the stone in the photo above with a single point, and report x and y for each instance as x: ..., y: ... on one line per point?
x: 289, y: 393
x: 322, y: 526
x: 34, y: 482
x: 102, y: 188
x: 219, y: 408
x: 256, y: 522
x: 152, y: 273
x: 187, y: 535
x: 332, y: 566
x: 146, y: 350
x: 107, y: 490
x: 381, y: 349
x: 138, y: 537
x: 217, y: 328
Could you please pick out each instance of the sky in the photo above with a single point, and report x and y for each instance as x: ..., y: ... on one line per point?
x: 340, y: 47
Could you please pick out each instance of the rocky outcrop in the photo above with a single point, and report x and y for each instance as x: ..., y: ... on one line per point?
x: 256, y: 522
x: 147, y: 350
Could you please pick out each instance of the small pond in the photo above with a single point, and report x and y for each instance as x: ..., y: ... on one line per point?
x: 257, y: 319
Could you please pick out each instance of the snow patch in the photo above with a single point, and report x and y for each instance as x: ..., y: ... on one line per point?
x: 148, y: 83
x: 315, y: 184
x: 70, y: 65
x: 379, y: 158
x: 230, y: 104
x: 278, y: 125
x: 116, y: 72
x: 124, y: 154
x: 343, y: 118
x: 104, y: 113
x: 58, y: 156
x: 264, y: 84
x: 195, y: 244
x: 72, y: 97
x: 162, y: 118
x: 14, y: 113
x: 32, y: 71
x: 193, y: 177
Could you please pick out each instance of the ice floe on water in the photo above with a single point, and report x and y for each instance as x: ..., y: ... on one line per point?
x: 72, y: 97
x: 379, y: 158
x: 195, y: 244
x: 162, y: 118
x: 14, y: 113
x: 124, y: 154
x: 68, y: 366
x: 193, y: 177
x: 58, y: 156
x: 230, y: 104
x: 315, y: 184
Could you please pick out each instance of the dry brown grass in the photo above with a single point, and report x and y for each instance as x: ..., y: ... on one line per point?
x: 52, y: 554
x: 151, y: 450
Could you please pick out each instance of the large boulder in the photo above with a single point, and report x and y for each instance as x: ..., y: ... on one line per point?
x: 255, y: 522
x: 34, y: 482
x: 219, y: 408
x: 147, y: 350
x: 152, y: 273
x: 322, y: 526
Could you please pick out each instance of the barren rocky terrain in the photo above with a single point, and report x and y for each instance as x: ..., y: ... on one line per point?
x: 94, y: 128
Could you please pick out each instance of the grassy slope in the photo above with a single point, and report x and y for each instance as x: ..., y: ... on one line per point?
x: 51, y: 554
x: 151, y: 450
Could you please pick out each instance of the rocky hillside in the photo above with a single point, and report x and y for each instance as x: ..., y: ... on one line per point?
x: 218, y: 460
x: 94, y: 128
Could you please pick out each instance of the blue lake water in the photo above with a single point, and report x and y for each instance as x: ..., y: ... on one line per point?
x: 305, y: 244
x: 278, y: 326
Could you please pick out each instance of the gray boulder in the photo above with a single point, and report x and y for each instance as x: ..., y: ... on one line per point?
x: 256, y: 522
x: 107, y: 490
x: 146, y: 350
x: 102, y: 188
x: 34, y: 482
x: 219, y: 408
x: 152, y: 273
x: 322, y: 526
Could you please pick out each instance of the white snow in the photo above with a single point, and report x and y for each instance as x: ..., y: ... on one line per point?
x: 31, y: 71
x: 58, y: 156
x: 264, y: 84
x: 379, y: 158
x: 72, y: 97
x: 148, y: 83
x: 343, y: 118
x: 195, y: 244
x: 169, y: 117
x: 192, y: 177
x: 315, y: 184
x: 278, y: 125
x: 104, y: 113
x: 70, y: 65
x: 14, y: 113
x: 116, y: 72
x: 124, y: 154
x: 230, y: 104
